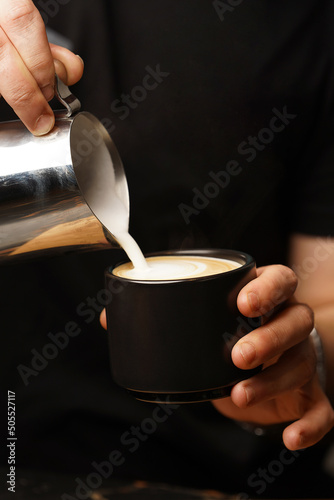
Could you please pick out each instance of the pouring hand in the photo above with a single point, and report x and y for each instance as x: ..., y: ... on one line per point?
x: 288, y: 388
x: 28, y: 64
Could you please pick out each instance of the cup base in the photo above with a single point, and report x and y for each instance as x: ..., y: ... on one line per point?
x: 182, y: 397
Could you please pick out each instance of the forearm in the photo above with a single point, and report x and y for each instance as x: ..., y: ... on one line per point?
x: 312, y: 258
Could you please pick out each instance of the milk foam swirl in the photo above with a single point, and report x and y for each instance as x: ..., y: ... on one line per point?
x: 174, y: 267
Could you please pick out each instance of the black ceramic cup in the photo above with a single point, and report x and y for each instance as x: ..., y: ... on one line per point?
x: 171, y: 341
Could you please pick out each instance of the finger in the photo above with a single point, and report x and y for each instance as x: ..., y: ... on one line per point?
x: 260, y: 414
x: 312, y: 427
x: 295, y: 368
x: 292, y: 325
x: 61, y: 71
x: 69, y: 66
x: 25, y: 29
x: 21, y: 90
x: 103, y: 319
x: 272, y: 287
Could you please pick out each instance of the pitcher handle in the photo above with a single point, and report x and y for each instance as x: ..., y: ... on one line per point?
x: 66, y: 98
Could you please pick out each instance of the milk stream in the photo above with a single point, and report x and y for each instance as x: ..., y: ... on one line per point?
x: 132, y: 249
x: 116, y: 220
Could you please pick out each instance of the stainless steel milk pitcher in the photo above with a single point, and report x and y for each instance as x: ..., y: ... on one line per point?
x: 56, y: 190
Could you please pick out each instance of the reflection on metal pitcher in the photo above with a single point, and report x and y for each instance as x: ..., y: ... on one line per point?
x: 51, y: 187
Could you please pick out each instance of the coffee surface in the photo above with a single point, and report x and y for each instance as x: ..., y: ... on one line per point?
x: 173, y: 267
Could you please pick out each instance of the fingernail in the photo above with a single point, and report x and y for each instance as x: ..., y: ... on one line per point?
x: 48, y: 91
x: 43, y: 124
x: 247, y: 351
x: 80, y: 59
x: 250, y: 394
x: 253, y: 301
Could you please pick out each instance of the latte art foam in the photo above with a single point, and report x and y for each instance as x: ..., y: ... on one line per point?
x: 174, y: 267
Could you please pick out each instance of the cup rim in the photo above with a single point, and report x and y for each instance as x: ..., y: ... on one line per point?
x: 246, y: 261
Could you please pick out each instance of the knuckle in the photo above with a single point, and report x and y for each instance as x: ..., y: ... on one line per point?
x: 22, y: 98
x: 21, y: 13
x: 275, y: 339
x: 289, y: 276
x: 41, y: 67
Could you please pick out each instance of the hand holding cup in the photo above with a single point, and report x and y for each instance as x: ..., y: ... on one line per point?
x: 287, y: 389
